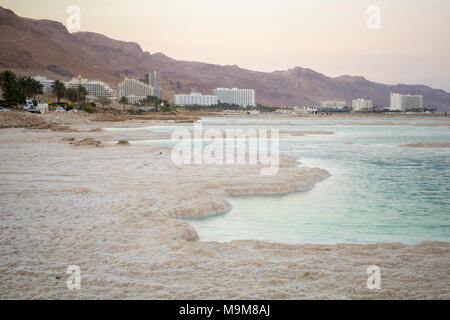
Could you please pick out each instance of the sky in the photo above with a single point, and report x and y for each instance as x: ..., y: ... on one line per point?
x: 397, y: 41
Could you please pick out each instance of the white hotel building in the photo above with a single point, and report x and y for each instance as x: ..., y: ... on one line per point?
x: 94, y: 88
x: 135, y: 90
x: 46, y: 83
x: 405, y: 101
x: 241, y: 97
x: 334, y: 104
x: 195, y: 98
x: 362, y: 105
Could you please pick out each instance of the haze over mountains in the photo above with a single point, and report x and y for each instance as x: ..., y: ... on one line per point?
x: 45, y: 47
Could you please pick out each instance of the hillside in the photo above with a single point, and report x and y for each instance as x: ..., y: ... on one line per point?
x: 45, y: 47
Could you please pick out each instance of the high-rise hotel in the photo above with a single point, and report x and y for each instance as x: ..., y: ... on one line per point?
x: 134, y: 90
x: 241, y: 97
x: 94, y: 88
x: 405, y: 101
x: 362, y: 105
x: 195, y: 98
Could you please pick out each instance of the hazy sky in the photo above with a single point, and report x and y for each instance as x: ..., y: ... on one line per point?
x: 330, y: 36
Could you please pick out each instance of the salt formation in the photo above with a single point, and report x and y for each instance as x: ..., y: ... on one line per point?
x: 114, y: 212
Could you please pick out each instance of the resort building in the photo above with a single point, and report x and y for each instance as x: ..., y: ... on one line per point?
x: 135, y: 90
x: 133, y: 99
x: 195, y: 98
x: 94, y: 88
x: 46, y: 83
x: 362, y: 105
x: 334, y: 104
x: 241, y: 97
x: 150, y: 79
x: 405, y: 102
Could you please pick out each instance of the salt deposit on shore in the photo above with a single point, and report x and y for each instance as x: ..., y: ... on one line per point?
x: 113, y: 212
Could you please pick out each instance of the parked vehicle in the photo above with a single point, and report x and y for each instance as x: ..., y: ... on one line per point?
x: 60, y: 109
x: 28, y: 104
x: 3, y: 109
x: 32, y: 109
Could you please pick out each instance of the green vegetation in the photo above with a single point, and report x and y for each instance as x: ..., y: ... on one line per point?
x: 81, y: 94
x: 59, y: 89
x: 151, y: 101
x: 157, y: 103
x: 16, y: 88
x: 71, y: 94
x: 123, y: 101
x: 90, y: 107
x: 77, y: 94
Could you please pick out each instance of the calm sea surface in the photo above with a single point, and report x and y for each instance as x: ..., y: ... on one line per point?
x: 377, y: 192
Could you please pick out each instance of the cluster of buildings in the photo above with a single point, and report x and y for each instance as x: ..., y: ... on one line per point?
x: 234, y: 96
x: 135, y: 90
x: 398, y: 102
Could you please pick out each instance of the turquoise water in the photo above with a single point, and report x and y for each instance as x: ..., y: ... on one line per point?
x: 378, y: 191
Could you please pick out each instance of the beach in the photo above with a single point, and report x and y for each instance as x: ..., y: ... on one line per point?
x: 119, y: 213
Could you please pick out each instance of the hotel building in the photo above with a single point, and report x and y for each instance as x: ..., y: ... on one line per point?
x: 150, y: 79
x: 405, y: 101
x: 362, y: 105
x: 195, y: 98
x: 334, y: 104
x: 241, y: 97
x: 46, y: 83
x: 94, y: 88
x: 135, y: 90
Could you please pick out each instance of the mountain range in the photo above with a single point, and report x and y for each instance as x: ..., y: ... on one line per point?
x: 45, y: 47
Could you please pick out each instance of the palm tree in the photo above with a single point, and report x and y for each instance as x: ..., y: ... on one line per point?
x: 59, y: 89
x: 123, y: 100
x: 82, y: 92
x: 9, y: 85
x: 38, y: 88
x: 31, y: 87
x: 71, y: 94
x: 8, y: 79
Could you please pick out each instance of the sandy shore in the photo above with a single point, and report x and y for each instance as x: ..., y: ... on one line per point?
x: 114, y: 210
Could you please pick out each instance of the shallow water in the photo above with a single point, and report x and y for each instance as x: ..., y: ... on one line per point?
x: 378, y: 191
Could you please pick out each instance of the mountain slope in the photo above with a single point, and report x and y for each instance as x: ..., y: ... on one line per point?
x: 45, y: 47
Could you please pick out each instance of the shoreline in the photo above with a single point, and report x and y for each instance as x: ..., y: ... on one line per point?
x: 115, y: 210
